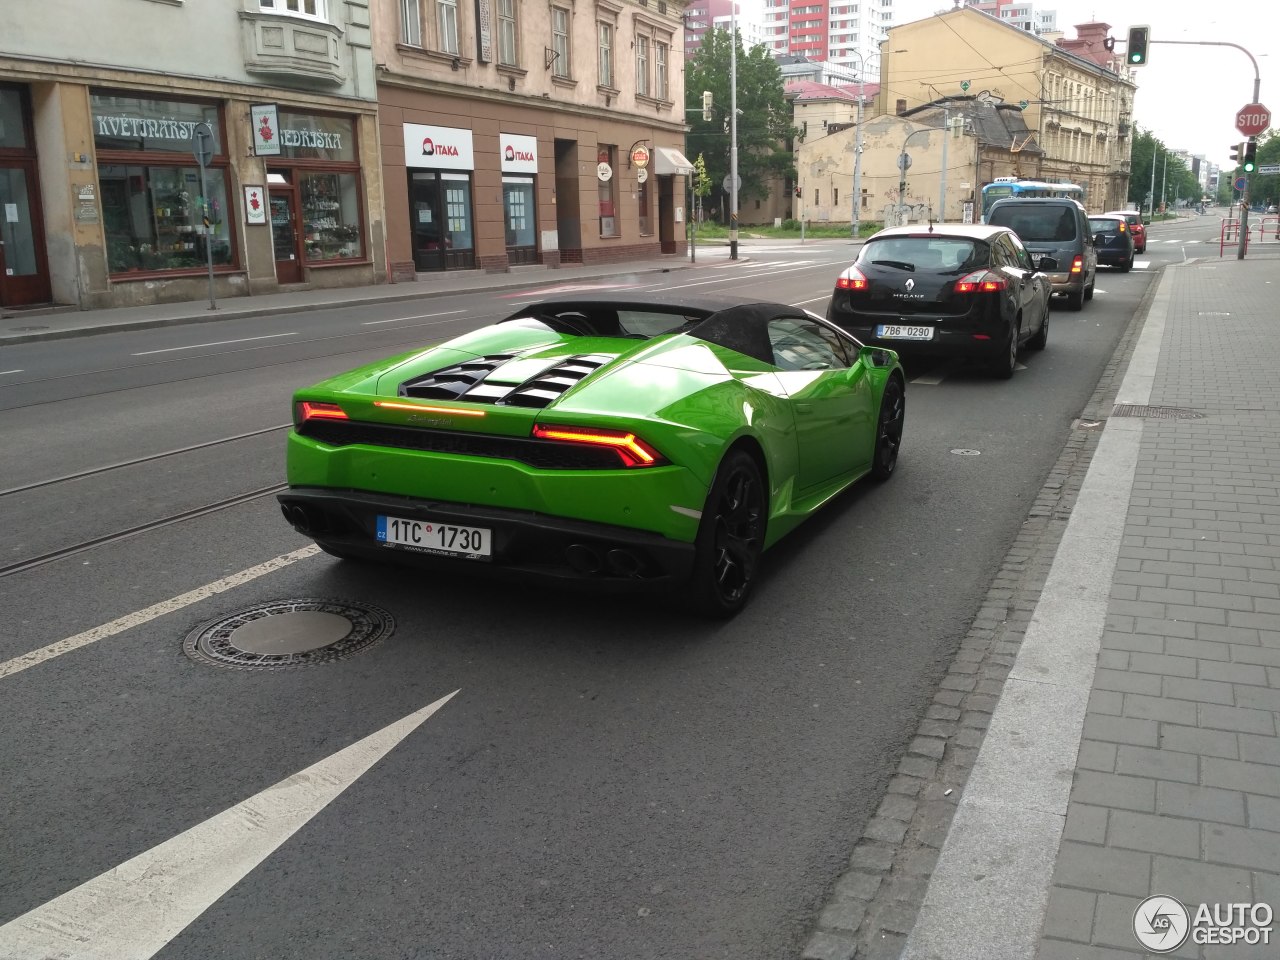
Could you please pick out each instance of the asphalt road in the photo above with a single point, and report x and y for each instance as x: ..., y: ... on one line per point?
x: 610, y: 779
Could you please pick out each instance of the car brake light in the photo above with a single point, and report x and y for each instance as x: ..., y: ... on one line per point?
x: 1122, y: 228
x: 980, y: 281
x: 851, y: 279
x: 1077, y: 264
x: 310, y: 410
x: 631, y: 450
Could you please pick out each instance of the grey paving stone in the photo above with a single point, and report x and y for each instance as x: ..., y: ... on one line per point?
x: 1153, y: 833
x: 1067, y: 950
x: 920, y: 863
x: 1102, y: 868
x: 830, y: 946
x: 1260, y: 749
x: 1257, y: 698
x: 918, y: 767
x: 1200, y: 649
x: 1241, y: 846
x: 1237, y: 775
x: 856, y: 885
x: 887, y: 831
x: 1140, y: 642
x: 907, y: 786
x: 1236, y: 718
x: 1085, y: 823
x: 871, y: 857
x: 1201, y: 691
x: 927, y: 747
x: 1095, y: 755
x: 1158, y: 764
x: 843, y: 915
x: 1070, y: 914
x: 896, y: 807
x: 1232, y: 672
x: 1113, y: 921
x: 1164, y: 628
x: 1263, y: 813
x: 883, y: 945
x: 1163, y: 664
x: 1200, y: 803
x: 1214, y: 743
x: 1111, y: 790
x: 1106, y: 701
x: 1155, y: 708
x: 1142, y: 733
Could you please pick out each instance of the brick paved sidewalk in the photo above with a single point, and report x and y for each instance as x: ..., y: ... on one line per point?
x: 1135, y: 749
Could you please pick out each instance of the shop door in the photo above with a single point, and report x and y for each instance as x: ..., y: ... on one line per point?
x: 24, y: 266
x: 284, y: 234
x: 517, y: 200
x: 440, y: 221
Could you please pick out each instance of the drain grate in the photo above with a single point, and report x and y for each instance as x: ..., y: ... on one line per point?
x: 289, y: 633
x: 1159, y: 413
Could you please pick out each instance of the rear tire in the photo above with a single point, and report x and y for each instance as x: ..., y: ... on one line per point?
x: 893, y: 411
x: 1126, y: 267
x: 1002, y: 368
x: 730, y: 538
x: 1041, y: 338
x: 1075, y: 299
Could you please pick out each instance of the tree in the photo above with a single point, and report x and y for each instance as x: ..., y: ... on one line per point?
x: 1172, y: 175
x: 701, y: 184
x: 764, y: 115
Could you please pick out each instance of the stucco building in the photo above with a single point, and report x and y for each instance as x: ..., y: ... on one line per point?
x: 105, y: 203
x: 530, y: 133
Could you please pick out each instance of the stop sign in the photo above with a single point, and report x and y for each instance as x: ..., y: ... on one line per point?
x: 1253, y: 119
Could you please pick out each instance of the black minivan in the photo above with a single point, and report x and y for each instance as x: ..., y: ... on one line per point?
x: 1055, y: 227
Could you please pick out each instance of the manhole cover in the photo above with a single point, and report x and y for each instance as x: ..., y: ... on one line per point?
x: 1160, y: 413
x: 289, y: 633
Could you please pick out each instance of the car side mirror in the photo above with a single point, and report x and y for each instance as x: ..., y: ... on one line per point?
x: 875, y: 357
x: 1047, y: 264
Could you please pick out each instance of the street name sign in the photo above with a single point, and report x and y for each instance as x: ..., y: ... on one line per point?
x: 1269, y: 168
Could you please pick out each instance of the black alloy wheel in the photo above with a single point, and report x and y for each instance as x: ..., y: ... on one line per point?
x: 893, y: 411
x: 730, y: 538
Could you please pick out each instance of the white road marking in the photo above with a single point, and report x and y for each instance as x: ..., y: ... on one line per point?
x: 3, y: 372
x: 9, y: 667
x: 800, y: 303
x: 423, y: 316
x: 133, y: 910
x: 737, y: 276
x: 216, y: 343
x: 1141, y: 264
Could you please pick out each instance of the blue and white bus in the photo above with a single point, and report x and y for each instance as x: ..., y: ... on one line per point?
x: 1003, y: 187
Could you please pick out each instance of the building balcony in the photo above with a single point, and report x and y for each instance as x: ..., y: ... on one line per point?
x: 288, y: 47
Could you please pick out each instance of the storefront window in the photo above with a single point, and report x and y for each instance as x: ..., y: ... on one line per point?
x: 608, y: 205
x: 457, y: 204
x: 518, y: 197
x: 154, y: 217
x: 306, y: 136
x: 138, y: 123
x: 642, y: 192
x: 331, y: 216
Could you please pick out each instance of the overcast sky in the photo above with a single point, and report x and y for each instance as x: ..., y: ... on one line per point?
x: 1188, y: 95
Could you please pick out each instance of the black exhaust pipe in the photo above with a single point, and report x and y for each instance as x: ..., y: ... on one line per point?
x: 582, y: 558
x: 623, y: 563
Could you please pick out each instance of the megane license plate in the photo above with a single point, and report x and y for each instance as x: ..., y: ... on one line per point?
x: 441, y: 539
x: 898, y: 331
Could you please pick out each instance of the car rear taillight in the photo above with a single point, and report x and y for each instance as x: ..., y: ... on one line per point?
x: 851, y: 279
x: 1077, y: 264
x: 631, y: 450
x: 980, y: 281
x: 310, y: 410
x: 1122, y: 227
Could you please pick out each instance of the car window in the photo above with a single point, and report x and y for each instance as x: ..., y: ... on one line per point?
x: 1024, y: 258
x: 921, y: 254
x: 1036, y: 223
x: 803, y: 344
x: 1103, y: 225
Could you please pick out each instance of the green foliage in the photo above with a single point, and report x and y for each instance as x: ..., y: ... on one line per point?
x: 764, y: 118
x: 1173, y: 178
x: 701, y: 182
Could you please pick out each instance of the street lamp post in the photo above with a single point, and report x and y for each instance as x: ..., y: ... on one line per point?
x: 733, y: 132
x: 856, y: 216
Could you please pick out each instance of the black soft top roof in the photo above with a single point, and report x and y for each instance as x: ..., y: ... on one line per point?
x: 743, y: 327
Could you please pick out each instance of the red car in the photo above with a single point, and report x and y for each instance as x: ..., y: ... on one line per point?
x: 1137, y: 229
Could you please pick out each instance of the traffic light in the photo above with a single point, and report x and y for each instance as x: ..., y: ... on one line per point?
x: 1251, y: 155
x: 1139, y: 37
x: 1238, y: 152
x: 706, y: 104
x: 799, y: 192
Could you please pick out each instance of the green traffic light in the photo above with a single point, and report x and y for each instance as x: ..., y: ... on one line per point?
x: 1135, y: 58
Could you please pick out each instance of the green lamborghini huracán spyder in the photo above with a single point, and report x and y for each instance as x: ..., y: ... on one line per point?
x: 619, y: 441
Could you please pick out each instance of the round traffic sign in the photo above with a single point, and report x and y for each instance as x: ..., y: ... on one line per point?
x: 1241, y: 183
x: 1253, y: 119
x: 729, y: 184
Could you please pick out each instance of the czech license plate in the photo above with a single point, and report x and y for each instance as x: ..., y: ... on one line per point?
x: 901, y: 331
x: 441, y: 539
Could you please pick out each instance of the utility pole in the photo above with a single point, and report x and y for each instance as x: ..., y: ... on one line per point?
x: 857, y: 167
x: 1164, y: 183
x: 1152, y: 193
x: 733, y: 132
x: 942, y: 185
